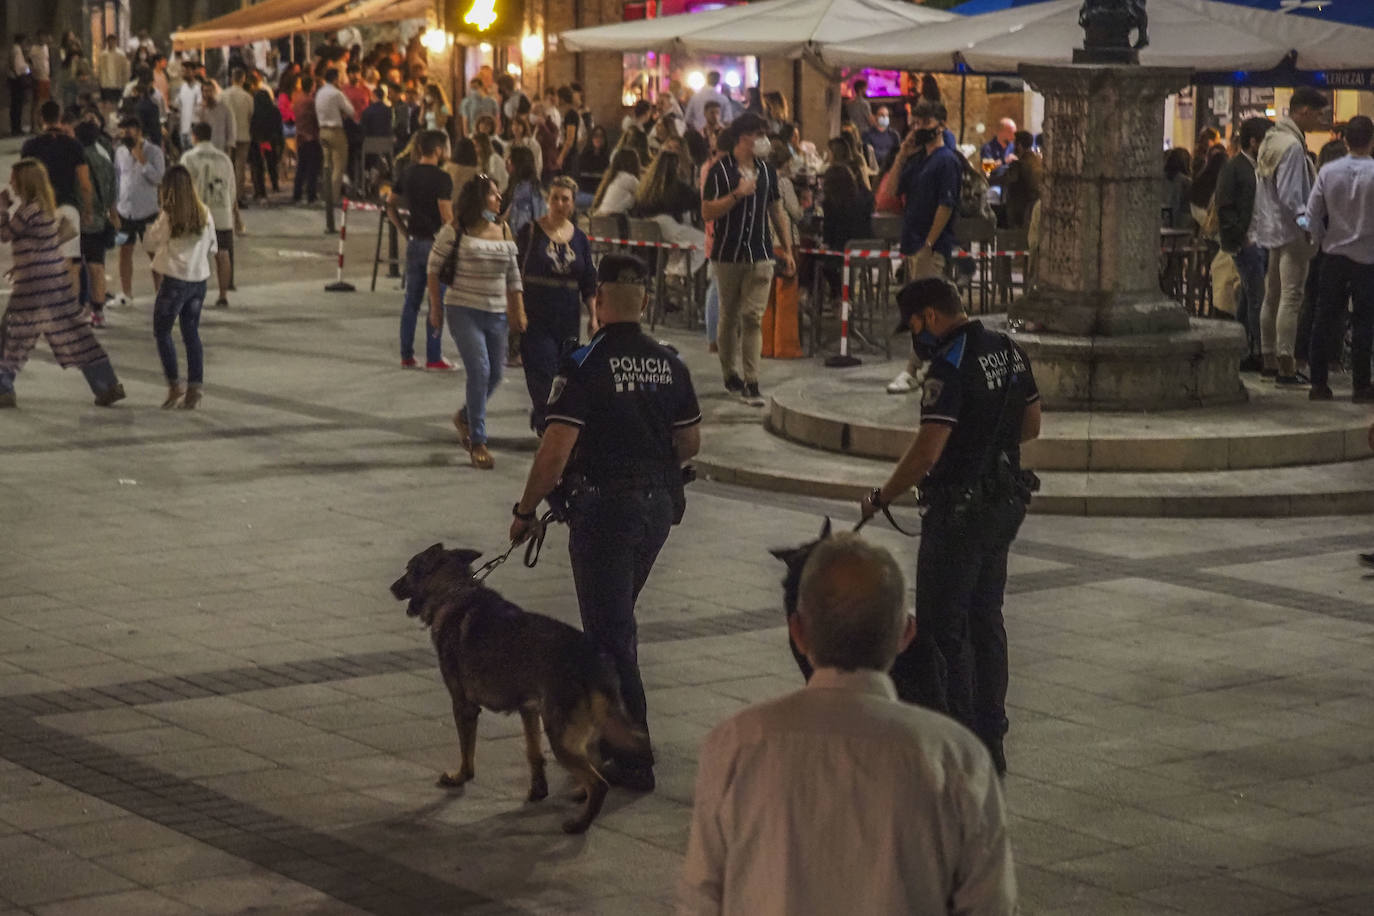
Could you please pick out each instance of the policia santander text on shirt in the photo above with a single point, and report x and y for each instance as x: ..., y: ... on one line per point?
x: 978, y: 404
x: 622, y: 418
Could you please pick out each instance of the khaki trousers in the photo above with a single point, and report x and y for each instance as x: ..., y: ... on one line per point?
x: 335, y: 144
x: 743, y: 297
x: 1284, y: 288
x: 240, y: 167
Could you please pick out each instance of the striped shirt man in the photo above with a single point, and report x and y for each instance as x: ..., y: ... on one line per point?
x: 743, y: 234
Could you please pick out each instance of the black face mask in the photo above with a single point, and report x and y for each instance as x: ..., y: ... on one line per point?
x: 924, y: 135
x: 128, y: 141
x: 925, y: 344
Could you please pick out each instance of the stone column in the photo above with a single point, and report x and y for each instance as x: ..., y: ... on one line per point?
x: 1100, y: 209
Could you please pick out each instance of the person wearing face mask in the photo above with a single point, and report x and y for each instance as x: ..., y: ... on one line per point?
x: 140, y: 165
x: 925, y: 181
x: 979, y: 402
x: 882, y: 139
x: 427, y: 190
x: 485, y: 297
x: 741, y: 196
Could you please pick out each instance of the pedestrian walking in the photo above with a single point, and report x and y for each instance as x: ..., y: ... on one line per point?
x: 427, y: 192
x: 240, y: 102
x: 559, y: 275
x: 309, y: 153
x: 69, y: 175
x: 112, y: 70
x: 482, y: 301
x: 140, y: 166
x: 1340, y: 212
x: 333, y: 109
x: 212, y: 111
x: 181, y: 241
x: 97, y: 237
x: 1235, y: 207
x: 622, y: 419
x: 901, y: 804
x: 741, y: 196
x: 1284, y: 180
x: 212, y: 174
x: 265, y: 129
x: 20, y: 75
x: 43, y: 298
x: 979, y: 402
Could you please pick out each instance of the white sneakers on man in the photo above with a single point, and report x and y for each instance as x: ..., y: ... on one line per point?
x: 903, y: 383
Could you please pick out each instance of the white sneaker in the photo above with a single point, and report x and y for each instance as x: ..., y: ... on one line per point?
x: 903, y: 383
x: 123, y: 301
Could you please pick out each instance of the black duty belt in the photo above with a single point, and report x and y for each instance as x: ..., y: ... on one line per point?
x: 647, y: 481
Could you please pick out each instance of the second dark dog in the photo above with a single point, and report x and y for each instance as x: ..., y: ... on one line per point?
x: 492, y: 654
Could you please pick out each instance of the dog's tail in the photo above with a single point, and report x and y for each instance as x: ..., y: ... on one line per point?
x: 629, y: 742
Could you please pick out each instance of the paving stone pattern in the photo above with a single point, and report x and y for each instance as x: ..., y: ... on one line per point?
x: 209, y: 702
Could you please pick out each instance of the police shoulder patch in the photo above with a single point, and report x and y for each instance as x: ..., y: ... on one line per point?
x: 930, y: 392
x: 556, y: 391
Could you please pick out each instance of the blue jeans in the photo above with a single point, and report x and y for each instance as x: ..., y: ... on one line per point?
x: 481, y: 340
x: 179, y: 300
x: 417, y: 279
x: 552, y: 331
x: 1252, y: 262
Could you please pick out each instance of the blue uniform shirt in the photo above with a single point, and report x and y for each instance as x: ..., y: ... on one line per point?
x: 628, y: 394
x: 966, y: 389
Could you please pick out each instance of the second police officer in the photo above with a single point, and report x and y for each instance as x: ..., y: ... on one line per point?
x: 622, y: 419
x: 979, y: 402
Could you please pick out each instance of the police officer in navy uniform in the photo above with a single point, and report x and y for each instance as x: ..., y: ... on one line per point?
x: 622, y: 418
x: 978, y: 404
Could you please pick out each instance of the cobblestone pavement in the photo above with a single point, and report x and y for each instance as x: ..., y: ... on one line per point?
x: 210, y: 703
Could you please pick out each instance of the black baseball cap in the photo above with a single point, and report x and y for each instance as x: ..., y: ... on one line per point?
x: 931, y: 292
x: 622, y: 268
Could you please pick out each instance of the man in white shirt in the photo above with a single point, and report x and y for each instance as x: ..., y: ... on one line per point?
x: 696, y: 108
x: 188, y: 100
x: 212, y: 172
x: 239, y: 101
x: 333, y: 108
x: 1340, y: 214
x: 140, y: 166
x: 839, y: 798
x: 41, y: 62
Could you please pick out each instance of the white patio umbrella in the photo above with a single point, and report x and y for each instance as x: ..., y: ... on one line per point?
x: 1203, y: 34
x: 772, y: 28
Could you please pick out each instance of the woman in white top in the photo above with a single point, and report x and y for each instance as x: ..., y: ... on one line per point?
x: 618, y: 185
x: 484, y: 301
x: 181, y: 241
x: 490, y: 160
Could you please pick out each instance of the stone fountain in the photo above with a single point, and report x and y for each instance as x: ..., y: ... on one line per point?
x: 1100, y: 333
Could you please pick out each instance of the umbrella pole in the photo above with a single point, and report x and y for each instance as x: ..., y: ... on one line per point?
x: 963, y: 96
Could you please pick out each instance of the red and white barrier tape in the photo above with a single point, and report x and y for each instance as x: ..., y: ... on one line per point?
x: 636, y: 243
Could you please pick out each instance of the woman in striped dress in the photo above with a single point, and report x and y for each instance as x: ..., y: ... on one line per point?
x: 43, y: 299
x: 484, y: 301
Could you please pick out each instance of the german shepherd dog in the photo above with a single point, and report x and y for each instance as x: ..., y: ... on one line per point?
x: 492, y: 654
x: 795, y: 559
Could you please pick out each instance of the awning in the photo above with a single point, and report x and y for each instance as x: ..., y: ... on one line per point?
x: 280, y: 18
x: 777, y: 28
x: 1183, y: 33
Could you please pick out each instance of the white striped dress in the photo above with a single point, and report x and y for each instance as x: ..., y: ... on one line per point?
x: 43, y: 301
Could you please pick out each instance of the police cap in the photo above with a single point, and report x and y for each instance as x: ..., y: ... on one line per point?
x: 622, y: 269
x: 931, y: 292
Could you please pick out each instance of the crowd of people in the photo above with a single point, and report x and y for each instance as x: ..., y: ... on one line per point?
x: 1294, y: 248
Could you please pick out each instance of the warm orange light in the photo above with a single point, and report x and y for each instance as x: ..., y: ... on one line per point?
x: 482, y: 16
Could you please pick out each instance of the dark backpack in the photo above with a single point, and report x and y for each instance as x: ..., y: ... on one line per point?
x: 973, y: 192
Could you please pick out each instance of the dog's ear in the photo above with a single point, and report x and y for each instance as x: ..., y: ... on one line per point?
x: 466, y: 556
x: 783, y: 553
x: 825, y: 529
x: 433, y: 550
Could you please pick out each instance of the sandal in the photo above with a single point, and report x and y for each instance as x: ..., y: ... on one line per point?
x: 481, y: 458
x: 174, y: 395
x: 460, y: 423
x: 192, y: 398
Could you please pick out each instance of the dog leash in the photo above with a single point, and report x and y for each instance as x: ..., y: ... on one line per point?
x: 887, y: 513
x: 533, y: 545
